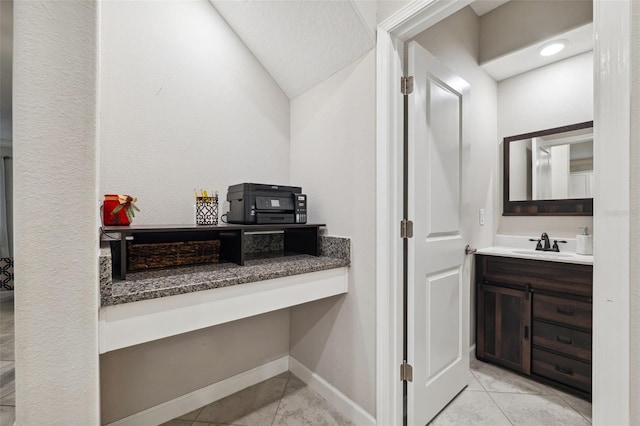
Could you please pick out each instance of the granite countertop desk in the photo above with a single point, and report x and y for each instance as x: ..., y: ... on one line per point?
x: 261, y: 264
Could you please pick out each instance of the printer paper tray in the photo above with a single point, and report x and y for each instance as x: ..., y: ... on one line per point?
x: 266, y: 218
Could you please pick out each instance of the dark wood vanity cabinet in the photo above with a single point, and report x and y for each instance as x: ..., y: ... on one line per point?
x: 504, y: 334
x: 535, y: 317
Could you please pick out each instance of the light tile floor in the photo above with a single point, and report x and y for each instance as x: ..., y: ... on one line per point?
x: 7, y: 370
x: 283, y: 400
x: 498, y: 397
x: 494, y: 397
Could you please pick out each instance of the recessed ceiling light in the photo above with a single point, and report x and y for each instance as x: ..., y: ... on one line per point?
x: 552, y: 48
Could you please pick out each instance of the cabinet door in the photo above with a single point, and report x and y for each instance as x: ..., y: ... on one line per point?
x: 504, y: 327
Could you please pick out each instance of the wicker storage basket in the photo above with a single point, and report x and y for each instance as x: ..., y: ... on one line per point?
x: 164, y: 255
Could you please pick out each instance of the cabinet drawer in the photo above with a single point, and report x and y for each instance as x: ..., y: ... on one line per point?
x: 564, y: 370
x: 539, y: 274
x: 561, y: 310
x: 561, y: 339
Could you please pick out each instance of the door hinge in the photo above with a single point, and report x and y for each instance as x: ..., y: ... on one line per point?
x: 406, y: 85
x: 406, y: 372
x: 406, y: 229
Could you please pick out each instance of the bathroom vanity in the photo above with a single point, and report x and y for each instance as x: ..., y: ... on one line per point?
x: 534, y: 315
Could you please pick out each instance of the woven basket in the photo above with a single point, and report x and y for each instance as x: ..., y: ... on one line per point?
x: 164, y: 255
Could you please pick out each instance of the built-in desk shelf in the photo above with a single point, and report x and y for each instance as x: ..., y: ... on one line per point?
x: 298, y: 238
x: 159, y: 303
x: 130, y: 324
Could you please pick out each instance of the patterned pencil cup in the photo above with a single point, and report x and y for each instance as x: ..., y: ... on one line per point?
x: 206, y: 211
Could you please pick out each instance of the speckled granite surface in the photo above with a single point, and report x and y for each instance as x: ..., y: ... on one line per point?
x: 168, y: 282
x: 339, y: 247
x: 272, y: 242
x: 104, y: 264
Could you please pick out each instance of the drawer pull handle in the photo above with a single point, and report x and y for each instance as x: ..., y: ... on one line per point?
x: 526, y: 332
x: 567, y: 371
x: 565, y: 340
x: 568, y: 312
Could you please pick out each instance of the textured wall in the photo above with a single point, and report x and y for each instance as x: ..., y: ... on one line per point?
x: 300, y: 43
x: 56, y: 238
x: 634, y: 276
x: 184, y: 104
x: 333, y: 158
x: 455, y: 42
x: 555, y: 95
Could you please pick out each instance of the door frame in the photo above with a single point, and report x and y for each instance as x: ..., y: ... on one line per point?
x: 612, y: 118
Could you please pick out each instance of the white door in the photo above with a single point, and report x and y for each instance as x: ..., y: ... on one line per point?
x: 438, y: 298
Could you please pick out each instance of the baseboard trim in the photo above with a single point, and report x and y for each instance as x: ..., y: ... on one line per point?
x: 334, y: 397
x: 183, y: 404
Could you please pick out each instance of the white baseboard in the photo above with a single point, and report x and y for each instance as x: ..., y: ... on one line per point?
x: 186, y: 403
x: 334, y: 397
x: 196, y: 399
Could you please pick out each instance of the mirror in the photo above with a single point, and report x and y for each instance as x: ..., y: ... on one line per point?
x: 550, y: 172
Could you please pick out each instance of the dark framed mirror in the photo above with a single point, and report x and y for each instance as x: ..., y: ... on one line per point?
x: 549, y: 172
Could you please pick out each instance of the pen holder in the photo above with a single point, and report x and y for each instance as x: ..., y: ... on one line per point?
x: 206, y: 211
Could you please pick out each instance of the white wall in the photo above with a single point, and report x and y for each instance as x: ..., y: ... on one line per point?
x: 56, y: 234
x: 143, y: 376
x: 332, y: 154
x: 333, y: 158
x: 634, y: 275
x: 552, y: 96
x: 184, y: 104
x: 455, y: 41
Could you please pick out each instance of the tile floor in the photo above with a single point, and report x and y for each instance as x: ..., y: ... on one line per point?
x: 283, y: 400
x: 494, y: 397
x: 498, y: 397
x: 7, y: 371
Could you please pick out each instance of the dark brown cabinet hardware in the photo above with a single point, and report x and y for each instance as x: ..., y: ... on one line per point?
x: 565, y: 340
x: 564, y: 370
x: 535, y: 317
x: 563, y: 311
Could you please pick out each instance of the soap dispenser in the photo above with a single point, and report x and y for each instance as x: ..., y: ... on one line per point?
x: 584, y: 242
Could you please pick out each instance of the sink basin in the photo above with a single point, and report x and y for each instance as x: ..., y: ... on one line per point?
x: 524, y: 252
x: 545, y: 254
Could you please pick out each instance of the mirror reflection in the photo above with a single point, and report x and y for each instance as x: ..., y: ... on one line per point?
x: 552, y: 167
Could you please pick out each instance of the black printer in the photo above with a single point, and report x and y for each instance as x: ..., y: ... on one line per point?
x: 258, y: 203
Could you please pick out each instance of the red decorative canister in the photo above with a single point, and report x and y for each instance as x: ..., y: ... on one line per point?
x: 111, y: 201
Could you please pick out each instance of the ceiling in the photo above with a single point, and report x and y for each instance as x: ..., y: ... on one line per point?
x: 300, y: 43
x: 579, y: 40
x: 513, y: 32
x: 480, y: 7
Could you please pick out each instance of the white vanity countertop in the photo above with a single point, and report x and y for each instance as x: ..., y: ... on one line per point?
x: 563, y: 256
